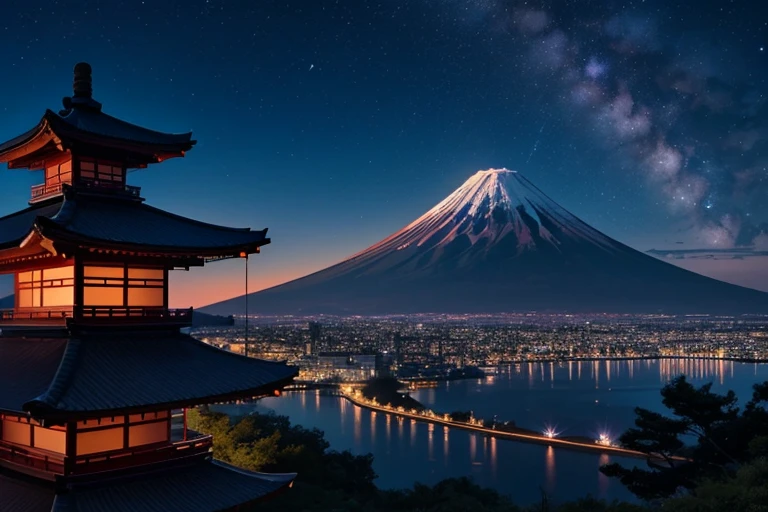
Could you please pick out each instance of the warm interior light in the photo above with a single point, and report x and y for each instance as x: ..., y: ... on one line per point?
x: 243, y: 254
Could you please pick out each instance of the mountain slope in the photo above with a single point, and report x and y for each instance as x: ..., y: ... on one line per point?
x: 499, y: 244
x: 6, y: 302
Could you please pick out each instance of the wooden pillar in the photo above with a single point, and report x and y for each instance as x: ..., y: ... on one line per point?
x: 165, y: 288
x: 77, y: 310
x: 70, y: 448
x: 126, y: 432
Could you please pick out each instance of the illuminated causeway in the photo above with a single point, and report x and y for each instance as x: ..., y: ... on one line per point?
x: 602, y: 445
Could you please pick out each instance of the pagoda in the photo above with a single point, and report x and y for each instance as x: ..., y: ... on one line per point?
x: 96, y: 373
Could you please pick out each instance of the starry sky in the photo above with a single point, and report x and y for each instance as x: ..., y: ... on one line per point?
x: 335, y: 123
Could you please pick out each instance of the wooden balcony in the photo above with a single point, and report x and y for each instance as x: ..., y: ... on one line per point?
x: 42, y: 192
x: 30, y: 460
x: 35, y: 317
x: 132, y: 316
x: 46, y: 191
x: 142, y: 455
x: 110, y: 187
x: 97, y: 316
x: 50, y: 465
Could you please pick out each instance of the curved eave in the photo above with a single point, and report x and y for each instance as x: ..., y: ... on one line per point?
x: 105, y: 375
x: 199, y: 486
x: 157, y: 151
x: 31, y: 147
x: 49, y: 229
x: 52, y: 134
x: 47, y: 414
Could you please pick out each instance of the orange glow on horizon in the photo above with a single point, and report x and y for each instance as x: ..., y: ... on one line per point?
x: 204, y: 286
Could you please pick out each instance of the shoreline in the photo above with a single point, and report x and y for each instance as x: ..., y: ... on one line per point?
x: 500, y: 434
x: 631, y: 358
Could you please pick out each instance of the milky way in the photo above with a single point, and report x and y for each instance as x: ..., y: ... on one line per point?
x: 679, y: 95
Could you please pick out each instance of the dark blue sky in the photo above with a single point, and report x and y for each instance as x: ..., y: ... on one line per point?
x: 335, y: 123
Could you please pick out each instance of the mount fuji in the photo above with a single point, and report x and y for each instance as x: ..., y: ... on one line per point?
x: 499, y: 244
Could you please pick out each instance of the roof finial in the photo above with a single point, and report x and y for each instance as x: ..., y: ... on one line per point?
x: 82, y: 84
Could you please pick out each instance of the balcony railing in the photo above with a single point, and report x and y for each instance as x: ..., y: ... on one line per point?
x: 52, y: 463
x: 110, y: 186
x: 45, y: 191
x: 97, y: 315
x: 32, y: 458
x: 48, y: 316
x: 142, y: 455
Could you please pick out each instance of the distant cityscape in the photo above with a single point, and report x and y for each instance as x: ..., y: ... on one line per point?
x: 455, y: 346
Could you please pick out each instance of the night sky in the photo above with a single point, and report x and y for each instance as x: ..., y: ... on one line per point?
x: 335, y: 123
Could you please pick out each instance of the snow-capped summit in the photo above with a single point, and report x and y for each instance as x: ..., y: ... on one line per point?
x: 497, y: 244
x: 492, y: 206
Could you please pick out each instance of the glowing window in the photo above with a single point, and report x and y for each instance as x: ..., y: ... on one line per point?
x: 118, y: 286
x: 59, y: 297
x: 102, y: 296
x: 96, y: 441
x: 57, y: 174
x: 15, y: 432
x: 52, y: 287
x: 51, y: 440
x: 146, y: 297
x: 104, y: 272
x: 147, y: 433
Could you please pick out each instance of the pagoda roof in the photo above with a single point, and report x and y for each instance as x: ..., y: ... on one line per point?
x: 92, y: 125
x: 14, y: 228
x: 93, y: 221
x: 110, y: 373
x: 200, y: 486
x: 23, y: 494
x: 83, y: 125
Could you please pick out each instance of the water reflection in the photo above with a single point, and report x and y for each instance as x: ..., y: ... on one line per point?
x: 373, y: 425
x: 446, y: 449
x: 493, y: 457
x: 358, y: 425
x: 551, y: 470
x: 574, y: 403
x: 431, y: 441
x: 603, y: 481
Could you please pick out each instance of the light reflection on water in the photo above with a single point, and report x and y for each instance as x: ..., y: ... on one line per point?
x: 579, y: 399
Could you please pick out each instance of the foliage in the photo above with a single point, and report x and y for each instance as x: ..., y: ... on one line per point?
x: 386, y: 391
x: 464, y: 416
x: 340, y: 481
x: 746, y: 491
x: 725, y: 439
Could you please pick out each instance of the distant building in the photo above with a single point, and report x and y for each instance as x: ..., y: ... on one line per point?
x: 92, y: 360
x: 342, y: 366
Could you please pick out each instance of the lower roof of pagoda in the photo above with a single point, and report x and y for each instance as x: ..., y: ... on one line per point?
x: 83, y: 220
x: 93, y: 375
x: 202, y: 486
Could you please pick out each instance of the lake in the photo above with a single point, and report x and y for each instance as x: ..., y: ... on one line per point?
x: 575, y: 398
